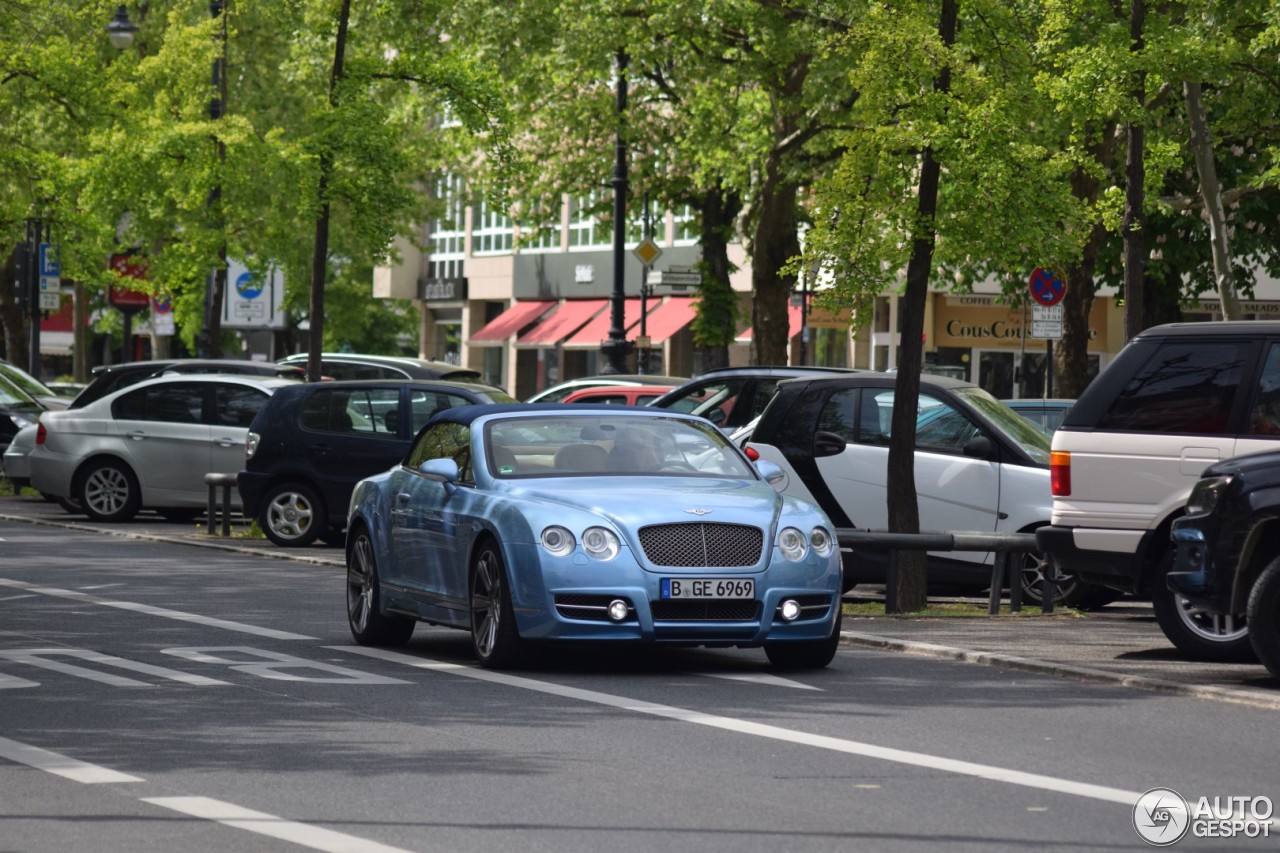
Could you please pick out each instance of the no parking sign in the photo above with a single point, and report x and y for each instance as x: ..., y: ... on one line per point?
x: 1046, y: 287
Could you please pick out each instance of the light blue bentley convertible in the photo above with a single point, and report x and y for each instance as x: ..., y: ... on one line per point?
x: 538, y: 523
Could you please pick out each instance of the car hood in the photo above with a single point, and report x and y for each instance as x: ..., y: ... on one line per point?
x: 632, y: 502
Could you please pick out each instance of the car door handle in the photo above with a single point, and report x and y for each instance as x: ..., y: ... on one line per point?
x: 137, y: 435
x: 226, y: 441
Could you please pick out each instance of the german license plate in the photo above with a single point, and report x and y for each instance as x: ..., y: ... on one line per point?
x: 708, y: 588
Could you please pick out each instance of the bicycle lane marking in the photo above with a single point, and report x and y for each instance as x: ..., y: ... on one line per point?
x: 851, y: 747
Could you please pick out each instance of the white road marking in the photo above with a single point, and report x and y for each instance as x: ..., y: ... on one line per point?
x: 266, y: 824
x: 60, y: 765
x: 759, y: 678
x: 850, y: 747
x: 155, y: 611
x: 42, y: 659
x: 18, y: 597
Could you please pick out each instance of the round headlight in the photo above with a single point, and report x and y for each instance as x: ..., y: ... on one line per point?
x: 821, y: 541
x: 557, y: 541
x: 600, y: 543
x: 791, y: 543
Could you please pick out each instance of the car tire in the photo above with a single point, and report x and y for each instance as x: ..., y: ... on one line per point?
x: 369, y: 625
x: 1199, y: 636
x: 1263, y: 615
x: 292, y: 515
x: 1068, y: 592
x: 808, y: 654
x: 494, y: 635
x: 108, y: 491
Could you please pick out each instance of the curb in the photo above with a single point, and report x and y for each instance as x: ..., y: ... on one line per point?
x: 1060, y: 670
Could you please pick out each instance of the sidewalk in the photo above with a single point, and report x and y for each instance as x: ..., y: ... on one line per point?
x: 1120, y: 644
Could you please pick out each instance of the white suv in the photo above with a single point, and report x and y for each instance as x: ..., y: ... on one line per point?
x: 1176, y: 399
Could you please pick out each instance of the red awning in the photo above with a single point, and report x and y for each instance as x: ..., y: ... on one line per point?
x: 506, y: 324
x: 591, y: 335
x: 794, y: 320
x: 669, y: 318
x: 564, y: 321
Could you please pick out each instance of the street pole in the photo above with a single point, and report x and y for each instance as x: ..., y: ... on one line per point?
x: 642, y: 354
x: 34, y: 227
x: 216, y: 283
x: 616, y: 348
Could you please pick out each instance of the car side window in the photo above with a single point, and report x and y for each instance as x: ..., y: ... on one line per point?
x: 326, y: 411
x: 942, y: 428
x: 441, y: 441
x: 837, y: 414
x: 1264, y: 414
x: 713, y: 401
x: 374, y: 410
x: 178, y: 404
x: 1184, y: 387
x: 426, y: 403
x: 236, y: 405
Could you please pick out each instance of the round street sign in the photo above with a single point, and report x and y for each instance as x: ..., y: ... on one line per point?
x: 1046, y: 287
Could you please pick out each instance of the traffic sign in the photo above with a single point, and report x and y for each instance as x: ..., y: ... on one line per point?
x: 1046, y: 287
x: 1046, y: 321
x: 675, y: 278
x: 647, y: 252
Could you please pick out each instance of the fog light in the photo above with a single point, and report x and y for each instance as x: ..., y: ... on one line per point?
x: 790, y: 610
x: 618, y: 610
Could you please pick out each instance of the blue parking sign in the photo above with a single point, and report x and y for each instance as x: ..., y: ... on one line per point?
x: 49, y: 263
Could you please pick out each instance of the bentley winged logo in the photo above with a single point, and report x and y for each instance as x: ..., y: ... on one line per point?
x: 698, y: 511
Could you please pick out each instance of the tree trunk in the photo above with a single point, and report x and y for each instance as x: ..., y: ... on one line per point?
x: 907, y: 589
x: 774, y: 244
x: 11, y: 316
x: 320, y: 250
x: 716, y: 323
x: 1131, y: 228
x: 1211, y: 192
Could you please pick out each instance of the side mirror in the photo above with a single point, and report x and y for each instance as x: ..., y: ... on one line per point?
x: 773, y: 474
x: 827, y: 444
x: 980, y: 447
x: 442, y: 470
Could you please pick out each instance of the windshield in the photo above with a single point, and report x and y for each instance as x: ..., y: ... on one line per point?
x: 14, y: 397
x: 1014, y: 426
x: 605, y: 445
x: 26, y: 381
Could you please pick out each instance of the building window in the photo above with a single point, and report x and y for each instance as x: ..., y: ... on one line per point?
x: 491, y: 229
x: 587, y: 226
x: 686, y: 226
x: 448, y: 232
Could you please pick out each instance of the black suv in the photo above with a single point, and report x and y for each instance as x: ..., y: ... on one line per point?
x: 732, y: 397
x: 310, y: 445
x: 1227, y: 551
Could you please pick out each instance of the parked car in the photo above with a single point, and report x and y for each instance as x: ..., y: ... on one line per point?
x: 618, y: 395
x: 1227, y: 555
x: 1045, y: 413
x: 311, y: 443
x: 149, y: 445
x: 1176, y: 399
x: 730, y: 397
x: 46, y: 396
x: 15, y: 466
x: 107, y: 379
x: 569, y: 528
x: 979, y: 468
x: 343, y: 365
x: 557, y: 393
x: 18, y: 409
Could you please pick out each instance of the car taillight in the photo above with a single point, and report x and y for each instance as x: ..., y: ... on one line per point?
x: 1060, y: 473
x: 41, y: 433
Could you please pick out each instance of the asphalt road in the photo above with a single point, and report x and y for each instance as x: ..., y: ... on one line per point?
x: 160, y: 696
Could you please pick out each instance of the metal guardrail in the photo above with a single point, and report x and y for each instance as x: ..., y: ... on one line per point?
x: 1008, y: 547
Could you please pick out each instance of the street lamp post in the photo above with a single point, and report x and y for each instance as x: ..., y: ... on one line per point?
x: 616, y: 348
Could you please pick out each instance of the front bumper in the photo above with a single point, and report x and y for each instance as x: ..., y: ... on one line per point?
x: 1195, y: 576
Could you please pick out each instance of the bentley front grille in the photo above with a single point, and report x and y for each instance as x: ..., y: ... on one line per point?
x: 699, y: 544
